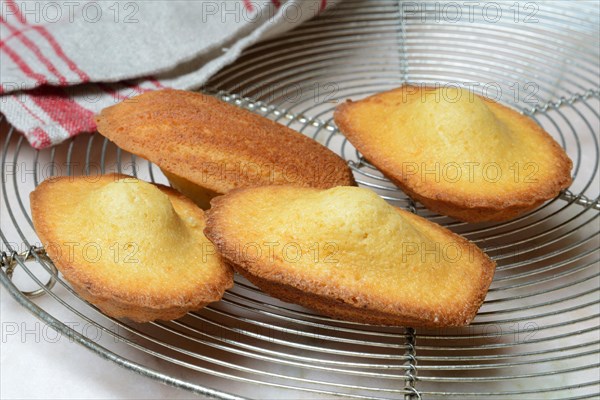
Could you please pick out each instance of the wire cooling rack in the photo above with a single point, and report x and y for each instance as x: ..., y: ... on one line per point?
x: 537, y: 334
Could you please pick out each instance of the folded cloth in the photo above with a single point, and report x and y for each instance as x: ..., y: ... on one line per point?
x: 62, y: 62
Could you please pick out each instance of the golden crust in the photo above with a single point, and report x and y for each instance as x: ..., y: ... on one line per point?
x: 522, y: 150
x: 219, y: 146
x: 376, y: 299
x: 93, y: 254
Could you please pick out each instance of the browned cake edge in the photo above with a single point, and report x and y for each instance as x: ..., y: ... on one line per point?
x: 120, y: 124
x: 120, y: 304
x: 334, y: 300
x: 472, y: 208
x: 117, y: 308
x: 470, y: 213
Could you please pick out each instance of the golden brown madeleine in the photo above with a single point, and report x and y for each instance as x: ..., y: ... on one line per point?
x: 457, y: 153
x: 201, y: 141
x: 348, y: 254
x: 133, y: 249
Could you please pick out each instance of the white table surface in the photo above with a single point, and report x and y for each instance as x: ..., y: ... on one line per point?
x: 37, y: 363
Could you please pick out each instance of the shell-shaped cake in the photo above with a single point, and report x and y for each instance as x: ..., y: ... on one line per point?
x: 131, y: 248
x: 459, y: 154
x: 348, y: 254
x: 207, y: 147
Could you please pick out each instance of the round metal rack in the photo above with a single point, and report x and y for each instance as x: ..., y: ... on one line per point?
x: 537, y: 334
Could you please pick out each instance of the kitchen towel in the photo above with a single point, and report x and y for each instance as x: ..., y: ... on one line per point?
x: 61, y: 62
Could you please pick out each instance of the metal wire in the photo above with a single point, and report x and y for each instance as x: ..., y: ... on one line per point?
x: 537, y: 334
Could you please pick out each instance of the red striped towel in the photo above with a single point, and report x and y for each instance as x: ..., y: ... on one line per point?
x: 61, y: 62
